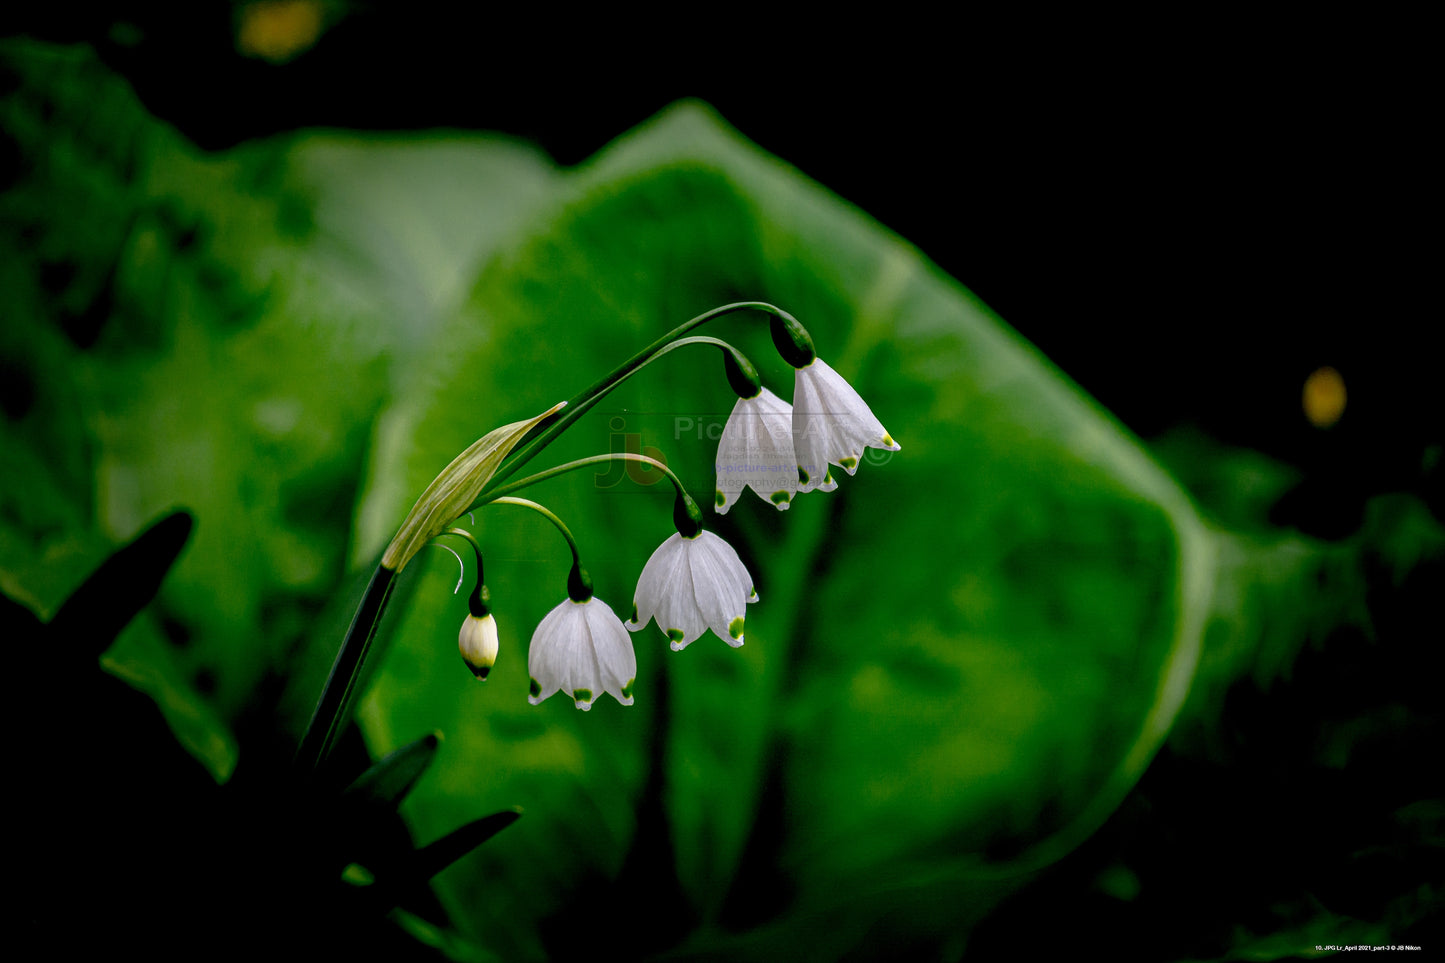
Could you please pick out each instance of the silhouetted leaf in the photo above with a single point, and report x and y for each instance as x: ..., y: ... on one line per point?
x: 388, y: 780
x: 394, y: 884
x: 125, y: 583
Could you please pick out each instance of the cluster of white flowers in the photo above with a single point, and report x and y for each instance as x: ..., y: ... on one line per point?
x: 781, y: 450
x: 689, y: 585
x: 695, y: 581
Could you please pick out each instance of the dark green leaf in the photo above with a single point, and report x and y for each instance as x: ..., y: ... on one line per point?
x: 125, y: 583
x: 394, y: 884
x: 389, y: 779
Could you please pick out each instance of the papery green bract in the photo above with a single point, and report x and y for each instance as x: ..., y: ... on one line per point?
x: 452, y: 492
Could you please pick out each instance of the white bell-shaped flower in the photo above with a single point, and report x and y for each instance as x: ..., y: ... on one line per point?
x: 831, y: 425
x: 582, y: 649
x: 478, y: 642
x: 756, y: 449
x: 690, y: 585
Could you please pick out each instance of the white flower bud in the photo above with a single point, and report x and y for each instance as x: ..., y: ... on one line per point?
x: 478, y: 642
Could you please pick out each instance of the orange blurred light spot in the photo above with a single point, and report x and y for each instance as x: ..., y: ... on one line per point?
x: 278, y: 30
x: 1324, y: 397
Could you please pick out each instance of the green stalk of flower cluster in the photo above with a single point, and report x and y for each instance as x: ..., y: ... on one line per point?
x: 497, y: 494
x: 340, y: 688
x: 583, y: 402
x: 332, y: 707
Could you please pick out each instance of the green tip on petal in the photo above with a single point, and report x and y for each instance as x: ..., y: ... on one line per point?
x: 675, y: 635
x: 627, y: 689
x: 482, y: 671
x: 735, y: 627
x: 633, y: 620
x: 582, y: 695
x: 535, y: 688
x: 888, y: 440
x: 849, y: 463
x: 719, y: 499
x: 779, y: 498
x: 802, y: 476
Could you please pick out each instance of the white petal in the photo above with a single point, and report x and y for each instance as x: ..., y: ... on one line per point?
x: 612, y: 648
x: 756, y: 450
x: 831, y: 424
x: 664, y: 582
x: 652, y: 584
x: 729, y: 572
x: 581, y: 648
x: 692, y: 584
x: 678, y: 614
x: 721, y: 586
x: 552, y: 653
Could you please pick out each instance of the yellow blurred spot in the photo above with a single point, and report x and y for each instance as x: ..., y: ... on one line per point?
x: 278, y: 30
x: 1324, y: 397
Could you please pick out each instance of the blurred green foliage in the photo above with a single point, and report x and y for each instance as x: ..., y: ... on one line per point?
x: 962, y: 662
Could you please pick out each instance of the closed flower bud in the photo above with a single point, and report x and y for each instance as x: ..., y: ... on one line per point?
x: 478, y: 642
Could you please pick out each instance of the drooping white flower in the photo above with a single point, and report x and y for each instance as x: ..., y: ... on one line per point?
x: 478, y: 642
x: 582, y: 649
x: 831, y: 425
x: 756, y: 449
x: 690, y: 585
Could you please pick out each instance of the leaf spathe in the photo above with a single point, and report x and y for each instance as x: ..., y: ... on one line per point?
x: 452, y: 492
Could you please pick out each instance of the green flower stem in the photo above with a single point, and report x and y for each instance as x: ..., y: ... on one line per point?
x: 479, y: 603
x: 579, y: 583
x: 541, y: 476
x: 579, y: 405
x: 341, y: 687
x: 686, y: 516
x: 547, y: 514
x: 327, y: 721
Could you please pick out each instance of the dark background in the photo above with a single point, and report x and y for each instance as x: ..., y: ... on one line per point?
x: 1187, y: 216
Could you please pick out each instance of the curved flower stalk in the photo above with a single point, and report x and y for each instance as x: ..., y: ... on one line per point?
x: 756, y: 451
x: 582, y: 649
x: 477, y: 638
x: 690, y: 585
x: 831, y: 425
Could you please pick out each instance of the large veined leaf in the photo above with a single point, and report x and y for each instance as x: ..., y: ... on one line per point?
x: 215, y: 330
x: 961, y: 659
